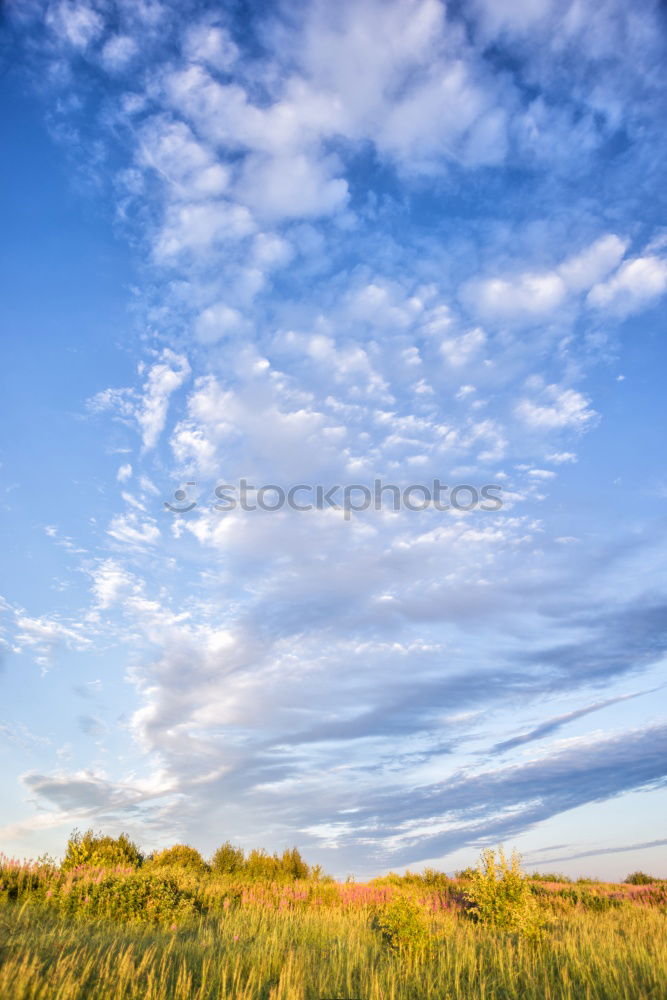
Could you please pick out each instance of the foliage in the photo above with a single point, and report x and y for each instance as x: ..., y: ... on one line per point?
x: 640, y: 878
x: 251, y: 953
x: 548, y: 877
x: 293, y: 865
x: 466, y: 873
x: 169, y: 933
x: 402, y: 924
x: 429, y: 877
x: 141, y: 897
x: 499, y: 894
x: 180, y: 856
x: 261, y: 865
x: 99, y: 851
x: 228, y: 860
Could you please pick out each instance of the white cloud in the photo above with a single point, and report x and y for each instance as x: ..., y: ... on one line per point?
x: 186, y: 165
x: 110, y: 582
x: 532, y: 295
x: 148, y: 408
x: 637, y: 283
x: 75, y: 23
x: 44, y: 635
x: 163, y: 379
x: 459, y: 351
x: 529, y: 294
x: 118, y: 51
x: 218, y: 321
x: 211, y: 45
x: 272, y: 251
x: 294, y: 186
x: 595, y: 262
x: 556, y: 408
x: 541, y: 474
x: 200, y: 228
x: 383, y: 305
x: 129, y: 530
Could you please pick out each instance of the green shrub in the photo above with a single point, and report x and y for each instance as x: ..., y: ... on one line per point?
x: 466, y: 873
x: 429, y: 877
x: 98, y: 851
x: 259, y: 864
x: 142, y: 897
x: 640, y: 878
x: 403, y: 924
x: 500, y: 895
x: 228, y: 860
x: 180, y: 856
x: 391, y: 878
x: 548, y: 877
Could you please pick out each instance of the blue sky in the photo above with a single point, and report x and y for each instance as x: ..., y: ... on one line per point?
x: 315, y: 243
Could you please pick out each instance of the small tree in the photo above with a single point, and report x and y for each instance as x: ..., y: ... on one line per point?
x: 293, y: 865
x: 180, y: 856
x: 228, y: 860
x: 98, y: 851
x: 500, y: 895
x: 262, y: 865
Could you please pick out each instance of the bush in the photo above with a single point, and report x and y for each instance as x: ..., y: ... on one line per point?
x: 141, y: 897
x: 500, y: 895
x: 548, y: 877
x: 640, y: 878
x: 97, y: 851
x: 435, y: 879
x: 429, y: 877
x: 180, y: 856
x: 228, y: 860
x: 466, y: 873
x: 402, y: 924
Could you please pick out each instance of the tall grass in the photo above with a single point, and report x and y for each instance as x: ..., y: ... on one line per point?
x: 257, y: 952
x: 165, y: 931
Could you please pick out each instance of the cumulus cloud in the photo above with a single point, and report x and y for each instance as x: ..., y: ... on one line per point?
x: 532, y: 295
x: 636, y: 284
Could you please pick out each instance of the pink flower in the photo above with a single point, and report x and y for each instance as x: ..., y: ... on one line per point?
x: 236, y: 937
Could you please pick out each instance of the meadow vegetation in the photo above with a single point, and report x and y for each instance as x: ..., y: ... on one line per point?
x: 111, y: 922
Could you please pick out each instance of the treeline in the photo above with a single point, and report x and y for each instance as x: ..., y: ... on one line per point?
x: 97, y: 850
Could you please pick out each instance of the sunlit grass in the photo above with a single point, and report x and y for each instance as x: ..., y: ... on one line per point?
x: 254, y: 952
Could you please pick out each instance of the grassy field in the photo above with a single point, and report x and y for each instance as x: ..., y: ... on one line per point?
x: 254, y: 952
x: 148, y: 933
